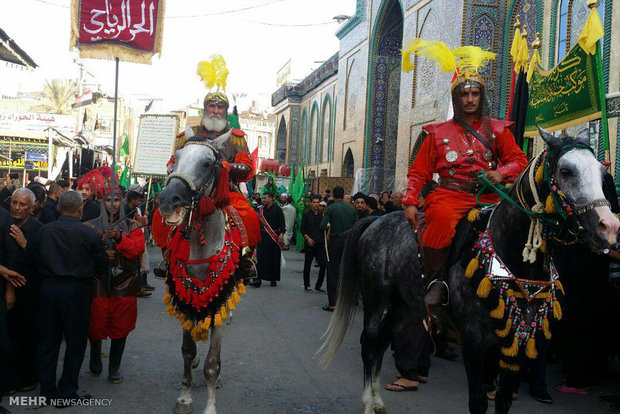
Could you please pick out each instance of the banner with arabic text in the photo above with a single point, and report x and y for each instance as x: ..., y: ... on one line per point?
x: 131, y: 30
x: 567, y: 95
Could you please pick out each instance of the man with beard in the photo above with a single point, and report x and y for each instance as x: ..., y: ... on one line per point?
x: 457, y: 149
x: 214, y: 124
x: 114, y: 308
x: 22, y: 320
x: 87, y: 186
x: 272, y: 234
x: 50, y: 211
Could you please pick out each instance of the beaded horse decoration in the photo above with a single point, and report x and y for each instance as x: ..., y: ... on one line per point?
x: 505, y: 293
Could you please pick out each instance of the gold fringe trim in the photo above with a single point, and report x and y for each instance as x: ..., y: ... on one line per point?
x: 241, y: 288
x: 230, y: 305
x: 187, y: 325
x: 167, y: 298
x: 217, y: 320
x: 473, y: 215
x: 498, y: 313
x: 235, y: 297
x: 545, y: 327
x: 223, y: 312
x: 513, y: 350
x: 472, y: 267
x: 484, y: 288
x: 504, y: 332
x: 510, y: 367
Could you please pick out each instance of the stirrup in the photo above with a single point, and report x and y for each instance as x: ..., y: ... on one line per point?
x: 447, y: 289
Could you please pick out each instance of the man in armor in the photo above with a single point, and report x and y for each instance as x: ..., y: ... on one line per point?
x: 457, y: 150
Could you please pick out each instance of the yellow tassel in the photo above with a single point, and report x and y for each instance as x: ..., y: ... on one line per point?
x: 504, y: 332
x: 549, y: 205
x: 498, y: 313
x: 484, y: 288
x: 545, y: 327
x: 510, y: 367
x: 196, y: 334
x: 187, y: 325
x: 218, y: 320
x: 540, y: 172
x: 167, y: 298
x: 557, y: 310
x: 472, y: 267
x: 530, y: 349
x: 514, y: 348
x: 223, y: 312
x: 181, y: 317
x: 558, y: 285
x: 207, y: 323
x: 230, y: 305
x: 543, y: 246
x: 235, y: 297
x: 204, y: 335
x: 241, y: 288
x: 473, y: 215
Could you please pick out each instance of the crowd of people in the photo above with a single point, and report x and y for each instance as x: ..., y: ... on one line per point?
x: 63, y: 240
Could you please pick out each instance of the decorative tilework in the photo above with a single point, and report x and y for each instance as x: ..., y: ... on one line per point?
x: 579, y: 15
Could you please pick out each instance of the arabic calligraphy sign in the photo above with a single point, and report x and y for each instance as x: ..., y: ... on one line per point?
x: 12, y: 121
x: 128, y: 29
x: 566, y: 95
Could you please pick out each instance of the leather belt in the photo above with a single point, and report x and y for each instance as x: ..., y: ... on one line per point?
x: 458, y: 184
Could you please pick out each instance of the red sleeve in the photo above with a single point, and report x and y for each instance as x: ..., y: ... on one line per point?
x: 513, y: 160
x: 133, y: 246
x: 421, y: 171
x: 242, y: 157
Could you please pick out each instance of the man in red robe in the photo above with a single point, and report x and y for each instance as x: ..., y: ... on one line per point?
x: 457, y: 150
x: 114, y: 309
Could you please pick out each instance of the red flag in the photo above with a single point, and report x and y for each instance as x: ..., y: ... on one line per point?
x: 254, y: 157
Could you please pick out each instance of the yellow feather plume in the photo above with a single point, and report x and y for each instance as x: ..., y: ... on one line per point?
x: 441, y: 53
x: 213, y: 72
x: 413, y: 46
x: 471, y: 58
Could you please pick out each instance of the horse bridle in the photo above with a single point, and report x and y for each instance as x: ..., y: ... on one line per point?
x: 568, y: 210
x: 197, y: 192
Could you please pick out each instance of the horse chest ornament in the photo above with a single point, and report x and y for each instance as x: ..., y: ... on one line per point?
x: 511, y: 293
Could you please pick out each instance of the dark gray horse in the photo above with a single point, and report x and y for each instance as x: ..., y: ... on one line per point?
x: 195, y: 173
x: 381, y: 261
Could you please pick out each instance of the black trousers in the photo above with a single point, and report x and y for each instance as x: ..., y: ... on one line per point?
x: 22, y: 322
x: 4, y: 348
x: 318, y: 252
x: 412, y: 349
x: 335, y: 249
x: 64, y: 310
x: 268, y: 255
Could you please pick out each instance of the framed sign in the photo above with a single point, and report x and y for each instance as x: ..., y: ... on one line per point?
x: 155, y: 144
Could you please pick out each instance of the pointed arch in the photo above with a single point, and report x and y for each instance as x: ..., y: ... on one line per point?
x: 326, y: 123
x: 303, y: 136
x: 348, y: 165
x: 332, y: 145
x: 281, y: 142
x: 313, y: 133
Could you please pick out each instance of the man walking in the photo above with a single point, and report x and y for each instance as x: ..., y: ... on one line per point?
x: 272, y: 234
x: 69, y: 254
x: 339, y: 217
x: 22, y: 320
x: 315, y: 244
x: 289, y: 219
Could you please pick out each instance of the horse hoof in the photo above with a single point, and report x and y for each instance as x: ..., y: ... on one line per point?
x: 380, y: 410
x: 182, y: 408
x: 196, y: 361
x: 218, y: 383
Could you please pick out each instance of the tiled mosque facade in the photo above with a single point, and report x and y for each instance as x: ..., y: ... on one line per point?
x: 359, y: 114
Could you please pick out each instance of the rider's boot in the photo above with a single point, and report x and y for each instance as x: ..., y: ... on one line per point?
x: 437, y: 289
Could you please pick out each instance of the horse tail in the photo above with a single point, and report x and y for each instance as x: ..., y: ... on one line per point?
x: 348, y: 293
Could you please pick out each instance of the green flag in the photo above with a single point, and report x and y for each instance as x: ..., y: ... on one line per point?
x: 291, y: 181
x: 124, y: 151
x: 125, y: 179
x: 297, y: 192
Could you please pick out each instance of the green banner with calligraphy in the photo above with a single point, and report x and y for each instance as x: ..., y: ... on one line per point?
x: 567, y: 95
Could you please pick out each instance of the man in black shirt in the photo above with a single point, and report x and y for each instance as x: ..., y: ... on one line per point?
x: 272, y: 234
x: 315, y: 244
x: 361, y: 205
x: 50, y: 212
x: 8, y: 254
x: 23, y: 318
x: 69, y: 254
